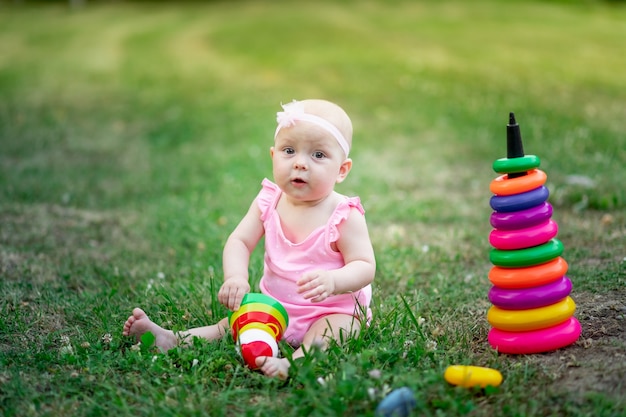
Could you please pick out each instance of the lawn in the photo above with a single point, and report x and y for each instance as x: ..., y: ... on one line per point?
x: 134, y: 135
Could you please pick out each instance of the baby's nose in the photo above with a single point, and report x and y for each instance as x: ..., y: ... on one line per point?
x: 300, y: 163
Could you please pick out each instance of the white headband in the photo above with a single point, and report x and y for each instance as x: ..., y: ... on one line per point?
x: 295, y: 111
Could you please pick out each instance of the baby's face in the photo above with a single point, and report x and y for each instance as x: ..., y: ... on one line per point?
x: 307, y: 162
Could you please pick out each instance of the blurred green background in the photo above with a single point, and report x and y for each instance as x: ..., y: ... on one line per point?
x: 134, y: 135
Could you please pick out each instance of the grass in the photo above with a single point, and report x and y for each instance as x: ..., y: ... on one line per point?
x: 133, y: 136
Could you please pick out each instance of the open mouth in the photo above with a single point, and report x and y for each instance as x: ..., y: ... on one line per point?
x: 298, y: 181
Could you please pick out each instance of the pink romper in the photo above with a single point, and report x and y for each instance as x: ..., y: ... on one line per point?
x: 286, y: 261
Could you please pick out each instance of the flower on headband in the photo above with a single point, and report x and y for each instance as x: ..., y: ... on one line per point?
x: 290, y: 114
x: 294, y: 111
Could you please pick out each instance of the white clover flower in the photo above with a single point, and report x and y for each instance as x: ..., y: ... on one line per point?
x: 371, y: 393
x: 66, y: 350
x: 323, y: 380
x: 375, y: 373
x: 66, y: 346
x: 431, y: 345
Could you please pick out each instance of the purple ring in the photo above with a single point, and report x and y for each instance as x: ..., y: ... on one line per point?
x: 520, y: 201
x: 534, y: 297
x: 521, y: 219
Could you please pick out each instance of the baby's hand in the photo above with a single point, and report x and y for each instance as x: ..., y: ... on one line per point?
x: 316, y: 285
x: 232, y: 292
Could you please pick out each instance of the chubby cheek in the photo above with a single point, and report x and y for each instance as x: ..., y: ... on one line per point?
x: 280, y: 170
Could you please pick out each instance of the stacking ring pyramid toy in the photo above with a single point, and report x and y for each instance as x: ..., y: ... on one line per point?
x: 532, y: 310
x: 258, y: 326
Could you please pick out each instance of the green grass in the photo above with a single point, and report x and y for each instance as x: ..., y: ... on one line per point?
x: 133, y: 137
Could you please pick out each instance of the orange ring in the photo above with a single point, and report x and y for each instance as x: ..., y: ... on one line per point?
x: 530, y: 276
x: 503, y: 185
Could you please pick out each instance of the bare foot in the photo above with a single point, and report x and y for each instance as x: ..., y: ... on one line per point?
x: 139, y: 323
x: 273, y: 367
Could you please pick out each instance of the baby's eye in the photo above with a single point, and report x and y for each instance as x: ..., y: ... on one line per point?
x: 318, y: 155
x: 289, y: 151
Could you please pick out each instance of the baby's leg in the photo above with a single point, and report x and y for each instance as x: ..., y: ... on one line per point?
x: 325, y: 329
x: 139, y: 323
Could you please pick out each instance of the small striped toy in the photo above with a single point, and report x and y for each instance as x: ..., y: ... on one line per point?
x: 257, y: 327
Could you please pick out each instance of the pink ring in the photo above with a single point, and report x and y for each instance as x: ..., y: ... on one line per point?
x: 522, y: 218
x: 524, y: 298
x: 536, y: 341
x: 523, y: 238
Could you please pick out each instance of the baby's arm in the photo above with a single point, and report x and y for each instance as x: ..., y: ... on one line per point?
x: 236, y: 258
x: 358, y: 271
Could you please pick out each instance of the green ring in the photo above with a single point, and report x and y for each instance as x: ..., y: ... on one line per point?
x: 527, y: 257
x: 513, y: 165
x: 254, y: 297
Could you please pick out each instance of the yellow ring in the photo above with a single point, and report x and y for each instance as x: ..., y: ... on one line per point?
x: 533, y: 318
x: 472, y: 376
x: 266, y: 327
x: 503, y: 185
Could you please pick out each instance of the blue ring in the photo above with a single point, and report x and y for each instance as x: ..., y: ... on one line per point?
x: 521, y: 201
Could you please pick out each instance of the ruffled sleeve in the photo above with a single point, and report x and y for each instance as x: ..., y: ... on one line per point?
x: 340, y: 214
x: 267, y: 197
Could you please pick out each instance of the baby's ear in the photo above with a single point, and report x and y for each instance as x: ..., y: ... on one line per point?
x: 272, y: 152
x: 344, y: 170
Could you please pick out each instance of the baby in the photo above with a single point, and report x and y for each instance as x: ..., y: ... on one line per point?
x: 319, y: 262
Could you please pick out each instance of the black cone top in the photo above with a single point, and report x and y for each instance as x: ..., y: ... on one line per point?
x: 514, y: 147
